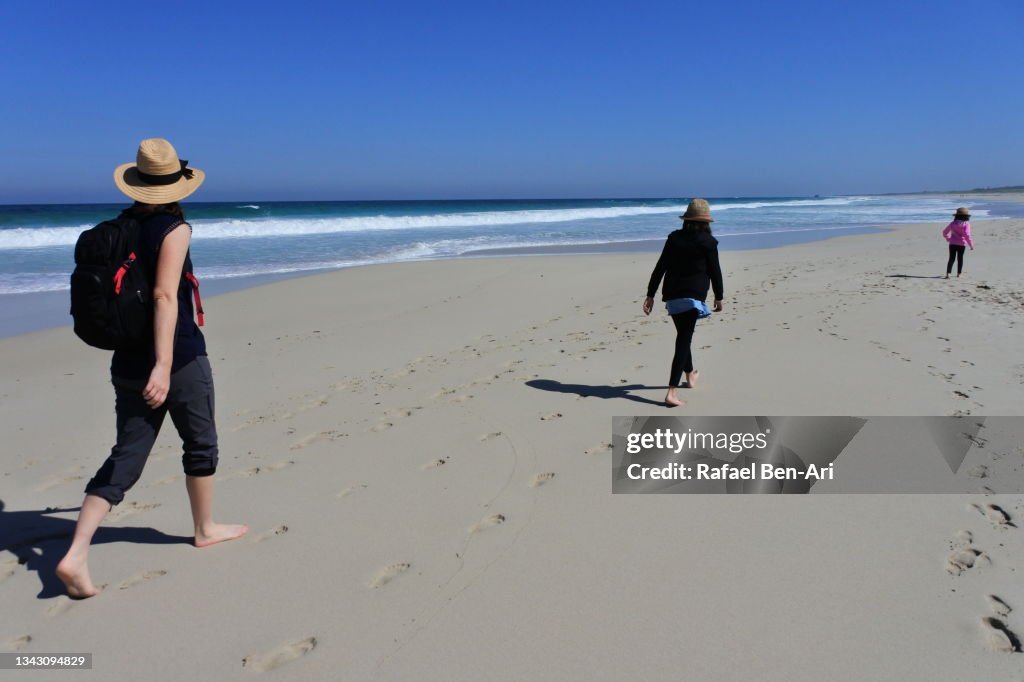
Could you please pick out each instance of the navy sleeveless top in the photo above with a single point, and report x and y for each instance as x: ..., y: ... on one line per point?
x: 188, y: 339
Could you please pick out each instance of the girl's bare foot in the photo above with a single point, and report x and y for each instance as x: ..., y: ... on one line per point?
x: 672, y: 400
x: 219, y: 532
x: 74, y: 573
x: 691, y: 378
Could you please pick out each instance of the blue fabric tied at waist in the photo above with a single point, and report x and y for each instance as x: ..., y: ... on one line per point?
x: 681, y: 305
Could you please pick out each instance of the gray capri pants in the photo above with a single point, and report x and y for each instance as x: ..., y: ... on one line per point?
x: 190, y: 404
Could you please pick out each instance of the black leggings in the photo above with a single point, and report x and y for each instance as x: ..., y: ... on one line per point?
x: 682, y: 361
x: 955, y: 253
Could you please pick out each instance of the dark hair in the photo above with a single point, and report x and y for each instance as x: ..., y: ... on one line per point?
x: 696, y: 226
x: 141, y: 210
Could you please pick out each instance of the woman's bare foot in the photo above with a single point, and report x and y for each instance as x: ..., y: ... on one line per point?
x: 672, y: 400
x: 74, y: 573
x: 691, y: 378
x: 219, y: 532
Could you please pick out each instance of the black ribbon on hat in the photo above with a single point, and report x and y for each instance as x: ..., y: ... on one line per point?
x: 168, y: 179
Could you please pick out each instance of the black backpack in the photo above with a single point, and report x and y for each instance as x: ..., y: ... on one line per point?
x: 111, y: 292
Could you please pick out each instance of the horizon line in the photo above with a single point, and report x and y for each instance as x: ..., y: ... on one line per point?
x: 976, y: 190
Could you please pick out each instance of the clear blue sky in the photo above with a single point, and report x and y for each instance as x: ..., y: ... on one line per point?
x: 371, y: 100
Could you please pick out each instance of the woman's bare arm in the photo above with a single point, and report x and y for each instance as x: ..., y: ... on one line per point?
x: 169, y: 265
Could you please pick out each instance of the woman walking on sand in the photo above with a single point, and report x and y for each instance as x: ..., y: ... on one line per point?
x: 689, y: 265
x: 170, y: 373
x: 958, y: 234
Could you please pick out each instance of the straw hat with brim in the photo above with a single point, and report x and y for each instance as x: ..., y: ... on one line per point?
x: 962, y: 213
x: 157, y: 176
x: 698, y: 211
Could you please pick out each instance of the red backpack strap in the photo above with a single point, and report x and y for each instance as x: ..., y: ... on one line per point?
x: 195, y: 295
x: 119, y: 275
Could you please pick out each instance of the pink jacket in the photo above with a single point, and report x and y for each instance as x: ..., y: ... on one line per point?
x: 958, y: 233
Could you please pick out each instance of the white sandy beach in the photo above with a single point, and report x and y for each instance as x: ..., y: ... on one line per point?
x: 422, y: 452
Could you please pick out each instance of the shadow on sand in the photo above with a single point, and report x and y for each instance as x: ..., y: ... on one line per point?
x: 605, y: 392
x: 917, y: 276
x: 39, y: 541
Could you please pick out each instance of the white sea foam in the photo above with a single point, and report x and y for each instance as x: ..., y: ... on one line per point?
x: 39, y: 237
x: 421, y: 250
x: 34, y: 282
x: 43, y: 237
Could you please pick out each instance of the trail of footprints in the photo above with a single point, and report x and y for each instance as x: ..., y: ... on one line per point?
x: 285, y: 653
x: 964, y: 557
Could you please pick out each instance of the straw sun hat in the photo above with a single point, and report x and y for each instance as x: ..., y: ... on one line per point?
x: 962, y: 213
x: 698, y: 211
x: 157, y: 176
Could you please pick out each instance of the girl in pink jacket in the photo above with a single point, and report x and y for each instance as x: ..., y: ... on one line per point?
x: 958, y: 234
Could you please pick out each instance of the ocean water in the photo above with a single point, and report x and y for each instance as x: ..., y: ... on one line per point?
x: 247, y: 242
x: 232, y: 240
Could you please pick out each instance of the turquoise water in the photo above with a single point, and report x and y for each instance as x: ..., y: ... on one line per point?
x: 239, y: 240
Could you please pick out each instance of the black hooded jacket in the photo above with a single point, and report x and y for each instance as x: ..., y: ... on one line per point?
x: 689, y: 264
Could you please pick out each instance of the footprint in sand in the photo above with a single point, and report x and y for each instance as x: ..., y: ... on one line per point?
x: 318, y: 437
x: 131, y: 508
x: 488, y: 522
x: 1000, y: 638
x: 964, y: 558
x: 383, y: 426
x: 403, y: 411
x: 345, y: 492
x: 8, y: 568
x: 16, y: 643
x: 549, y: 417
x: 541, y: 479
x: 490, y: 436
x: 436, y: 463
x: 272, y: 533
x: 389, y: 573
x: 996, y: 515
x: 141, y: 578
x: 62, y: 605
x: 320, y: 401
x: 998, y: 606
x: 275, y: 658
x: 276, y: 466
x: 54, y: 482
x: 598, y: 449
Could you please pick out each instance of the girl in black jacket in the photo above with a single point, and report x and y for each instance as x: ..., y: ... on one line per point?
x: 689, y: 266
